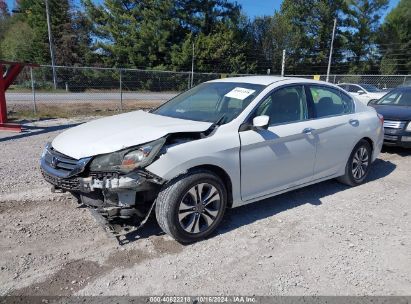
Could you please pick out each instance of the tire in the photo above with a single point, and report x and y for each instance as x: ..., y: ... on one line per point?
x: 190, y: 207
x: 355, y: 174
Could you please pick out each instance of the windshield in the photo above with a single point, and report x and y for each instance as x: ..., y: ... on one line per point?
x: 370, y: 88
x: 211, y: 102
x: 396, y: 98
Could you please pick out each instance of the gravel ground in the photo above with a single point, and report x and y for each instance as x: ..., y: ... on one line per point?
x: 325, y: 239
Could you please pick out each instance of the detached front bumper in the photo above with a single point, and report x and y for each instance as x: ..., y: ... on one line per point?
x: 111, y: 196
x: 91, y: 183
x: 96, y: 188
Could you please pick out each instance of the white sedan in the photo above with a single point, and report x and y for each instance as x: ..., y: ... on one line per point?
x: 363, y: 92
x: 222, y: 144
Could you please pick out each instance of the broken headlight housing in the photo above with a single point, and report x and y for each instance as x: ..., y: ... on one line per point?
x: 129, y: 159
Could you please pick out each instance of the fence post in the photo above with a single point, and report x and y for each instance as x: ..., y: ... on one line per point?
x: 33, y: 89
x: 283, y: 64
x: 121, y: 91
x: 192, y: 68
x: 334, y: 79
x: 405, y: 79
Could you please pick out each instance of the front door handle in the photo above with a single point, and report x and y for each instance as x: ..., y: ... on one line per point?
x: 354, y: 122
x: 308, y: 130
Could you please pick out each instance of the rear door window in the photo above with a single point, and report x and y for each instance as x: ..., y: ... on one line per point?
x: 344, y: 86
x: 330, y: 102
x: 353, y: 88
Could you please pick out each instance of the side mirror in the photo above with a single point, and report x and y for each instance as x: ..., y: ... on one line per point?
x: 261, y: 122
x: 361, y: 92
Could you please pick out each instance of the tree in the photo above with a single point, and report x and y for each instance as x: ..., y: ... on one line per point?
x: 310, y: 30
x: 17, y: 43
x: 132, y: 33
x: 362, y: 23
x: 395, y: 40
x: 4, y: 10
x: 65, y: 34
x: 270, y: 35
x: 142, y: 33
x: 220, y: 52
x: 4, y: 21
x: 205, y: 15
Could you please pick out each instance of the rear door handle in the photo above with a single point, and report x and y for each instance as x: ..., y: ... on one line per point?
x: 354, y: 122
x: 308, y: 130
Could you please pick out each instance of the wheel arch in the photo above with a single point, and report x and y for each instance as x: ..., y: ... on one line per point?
x: 370, y: 141
x: 220, y: 172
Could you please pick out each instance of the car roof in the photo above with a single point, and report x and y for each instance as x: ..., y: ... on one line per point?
x: 263, y: 80
x: 267, y: 80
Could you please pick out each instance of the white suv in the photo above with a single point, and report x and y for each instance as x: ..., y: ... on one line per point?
x: 222, y: 144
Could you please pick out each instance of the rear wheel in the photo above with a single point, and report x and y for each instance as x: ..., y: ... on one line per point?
x: 358, y: 165
x: 191, y: 207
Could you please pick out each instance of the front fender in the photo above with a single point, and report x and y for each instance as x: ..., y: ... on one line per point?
x: 221, y: 150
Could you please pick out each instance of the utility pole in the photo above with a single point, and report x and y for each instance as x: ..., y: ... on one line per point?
x: 53, y: 63
x: 331, y: 51
x: 283, y: 65
x: 192, y: 68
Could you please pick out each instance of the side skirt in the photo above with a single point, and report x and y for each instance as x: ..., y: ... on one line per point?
x: 259, y: 198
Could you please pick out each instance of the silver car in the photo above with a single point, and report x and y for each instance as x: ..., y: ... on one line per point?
x: 222, y: 144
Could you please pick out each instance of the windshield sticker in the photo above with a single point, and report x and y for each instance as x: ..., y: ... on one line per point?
x: 239, y: 93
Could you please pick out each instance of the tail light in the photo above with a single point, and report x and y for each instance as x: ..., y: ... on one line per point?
x: 381, y: 118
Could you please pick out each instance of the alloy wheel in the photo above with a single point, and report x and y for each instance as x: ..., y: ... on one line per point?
x: 199, y: 208
x: 360, y: 163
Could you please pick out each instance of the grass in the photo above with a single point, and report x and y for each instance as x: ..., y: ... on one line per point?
x: 67, y: 110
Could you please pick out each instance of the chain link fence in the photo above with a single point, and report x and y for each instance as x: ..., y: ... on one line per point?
x: 102, y: 91
x: 382, y: 82
x: 80, y: 90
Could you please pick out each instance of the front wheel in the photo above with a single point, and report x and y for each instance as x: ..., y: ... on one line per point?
x: 358, y: 165
x: 191, y: 207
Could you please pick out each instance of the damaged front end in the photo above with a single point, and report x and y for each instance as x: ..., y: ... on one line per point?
x: 114, y: 186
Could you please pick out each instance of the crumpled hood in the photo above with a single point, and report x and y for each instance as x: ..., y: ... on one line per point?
x: 118, y: 132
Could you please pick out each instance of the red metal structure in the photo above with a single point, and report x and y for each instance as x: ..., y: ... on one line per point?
x: 7, y: 76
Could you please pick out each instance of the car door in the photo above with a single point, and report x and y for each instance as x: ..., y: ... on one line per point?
x: 282, y: 155
x: 335, y: 127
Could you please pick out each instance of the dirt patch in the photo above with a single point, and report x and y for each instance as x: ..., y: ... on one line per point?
x: 75, y: 275
x: 71, y: 278
x: 164, y: 246
x: 127, y: 258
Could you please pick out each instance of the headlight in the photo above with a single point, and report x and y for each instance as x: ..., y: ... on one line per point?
x: 45, y: 150
x: 408, y: 127
x: 128, y: 159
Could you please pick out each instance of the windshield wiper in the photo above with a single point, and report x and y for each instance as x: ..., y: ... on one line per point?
x: 220, y: 121
x: 215, y: 125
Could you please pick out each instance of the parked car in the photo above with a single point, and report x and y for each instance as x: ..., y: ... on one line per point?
x: 396, y: 109
x: 363, y: 92
x: 222, y: 144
